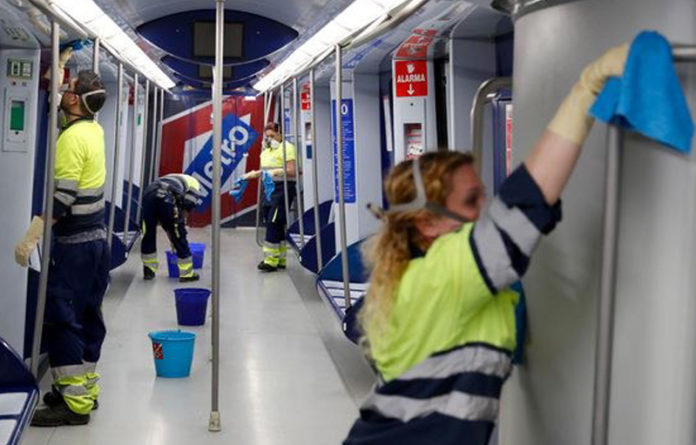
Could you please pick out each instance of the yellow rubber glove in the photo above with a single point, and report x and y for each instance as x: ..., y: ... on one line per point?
x: 26, y: 246
x: 62, y: 60
x: 571, y: 120
x: 251, y: 175
x: 277, y: 172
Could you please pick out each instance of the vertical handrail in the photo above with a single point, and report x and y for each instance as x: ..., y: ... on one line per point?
x: 131, y: 161
x: 605, y: 310
x: 95, y: 54
x: 298, y: 159
x: 117, y: 150
x: 285, y: 160
x: 56, y: 79
x: 267, y: 98
x: 315, y: 170
x: 158, y: 153
x: 153, y: 137
x: 607, y: 297
x: 143, y: 152
x: 341, y: 180
x: 476, y: 117
x: 214, y: 422
x: 95, y: 63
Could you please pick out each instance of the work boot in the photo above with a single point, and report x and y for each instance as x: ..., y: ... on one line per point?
x: 148, y: 273
x: 194, y: 277
x: 58, y: 415
x: 265, y: 267
x: 54, y: 398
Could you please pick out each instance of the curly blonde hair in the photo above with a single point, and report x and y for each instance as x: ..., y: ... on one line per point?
x: 388, y: 252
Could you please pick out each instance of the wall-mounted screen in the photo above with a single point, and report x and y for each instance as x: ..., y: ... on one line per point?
x: 204, y: 40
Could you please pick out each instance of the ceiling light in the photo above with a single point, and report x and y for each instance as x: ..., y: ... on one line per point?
x: 356, y: 17
x: 93, y: 18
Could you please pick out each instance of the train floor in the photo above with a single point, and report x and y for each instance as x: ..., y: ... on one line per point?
x: 286, y: 375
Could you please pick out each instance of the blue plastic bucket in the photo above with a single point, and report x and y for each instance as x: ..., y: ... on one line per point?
x: 198, y: 253
x: 172, y: 352
x: 191, y: 305
x: 172, y: 264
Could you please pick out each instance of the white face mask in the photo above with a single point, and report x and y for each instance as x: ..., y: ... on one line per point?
x: 274, y: 144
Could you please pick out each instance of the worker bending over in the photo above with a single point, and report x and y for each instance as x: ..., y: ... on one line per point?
x: 272, y: 159
x: 79, y: 269
x: 167, y: 201
x: 439, y: 316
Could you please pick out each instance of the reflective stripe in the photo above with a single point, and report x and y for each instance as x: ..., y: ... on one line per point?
x: 185, y: 267
x: 516, y: 224
x: 66, y: 372
x: 73, y: 390
x: 456, y: 404
x: 66, y: 184
x: 99, y: 191
x: 90, y: 368
x: 87, y: 209
x: 84, y: 237
x: 493, y: 254
x: 65, y: 198
x: 149, y: 257
x: 275, y: 215
x: 467, y: 359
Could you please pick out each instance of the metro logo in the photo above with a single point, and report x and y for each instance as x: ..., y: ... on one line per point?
x: 187, y: 147
x: 237, y: 139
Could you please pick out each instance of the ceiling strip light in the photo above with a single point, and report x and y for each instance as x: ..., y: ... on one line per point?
x: 355, y: 17
x: 93, y: 18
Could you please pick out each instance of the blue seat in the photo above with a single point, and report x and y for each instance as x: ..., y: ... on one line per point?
x: 294, y: 236
x: 119, y: 250
x: 308, y: 254
x: 330, y: 281
x: 19, y: 395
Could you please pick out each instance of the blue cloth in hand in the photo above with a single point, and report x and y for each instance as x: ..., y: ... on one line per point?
x: 268, y: 185
x: 648, y: 97
x: 238, y: 189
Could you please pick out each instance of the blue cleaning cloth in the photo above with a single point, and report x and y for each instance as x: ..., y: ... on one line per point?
x: 238, y: 188
x: 648, y: 97
x: 268, y: 185
x: 76, y: 44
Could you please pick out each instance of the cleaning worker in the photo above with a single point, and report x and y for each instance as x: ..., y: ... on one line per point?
x: 79, y: 270
x: 167, y: 201
x: 439, y: 319
x: 274, y: 248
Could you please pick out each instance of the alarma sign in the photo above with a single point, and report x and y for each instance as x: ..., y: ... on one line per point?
x: 411, y: 78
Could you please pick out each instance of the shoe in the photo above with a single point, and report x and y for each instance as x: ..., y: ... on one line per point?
x: 58, y: 416
x: 53, y: 398
x: 264, y: 267
x: 148, y: 273
x: 194, y: 277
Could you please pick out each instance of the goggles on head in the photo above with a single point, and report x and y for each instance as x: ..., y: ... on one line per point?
x: 420, y: 201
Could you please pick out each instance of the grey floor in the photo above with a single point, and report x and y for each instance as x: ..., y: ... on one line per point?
x: 287, y: 376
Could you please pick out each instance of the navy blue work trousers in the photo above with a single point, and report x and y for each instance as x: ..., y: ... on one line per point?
x: 274, y: 211
x: 78, y: 277
x: 163, y: 210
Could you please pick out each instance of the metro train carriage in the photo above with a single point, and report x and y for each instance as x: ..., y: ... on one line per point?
x: 362, y: 281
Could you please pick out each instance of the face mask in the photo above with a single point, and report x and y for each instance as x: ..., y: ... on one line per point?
x: 62, y: 120
x: 274, y: 144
